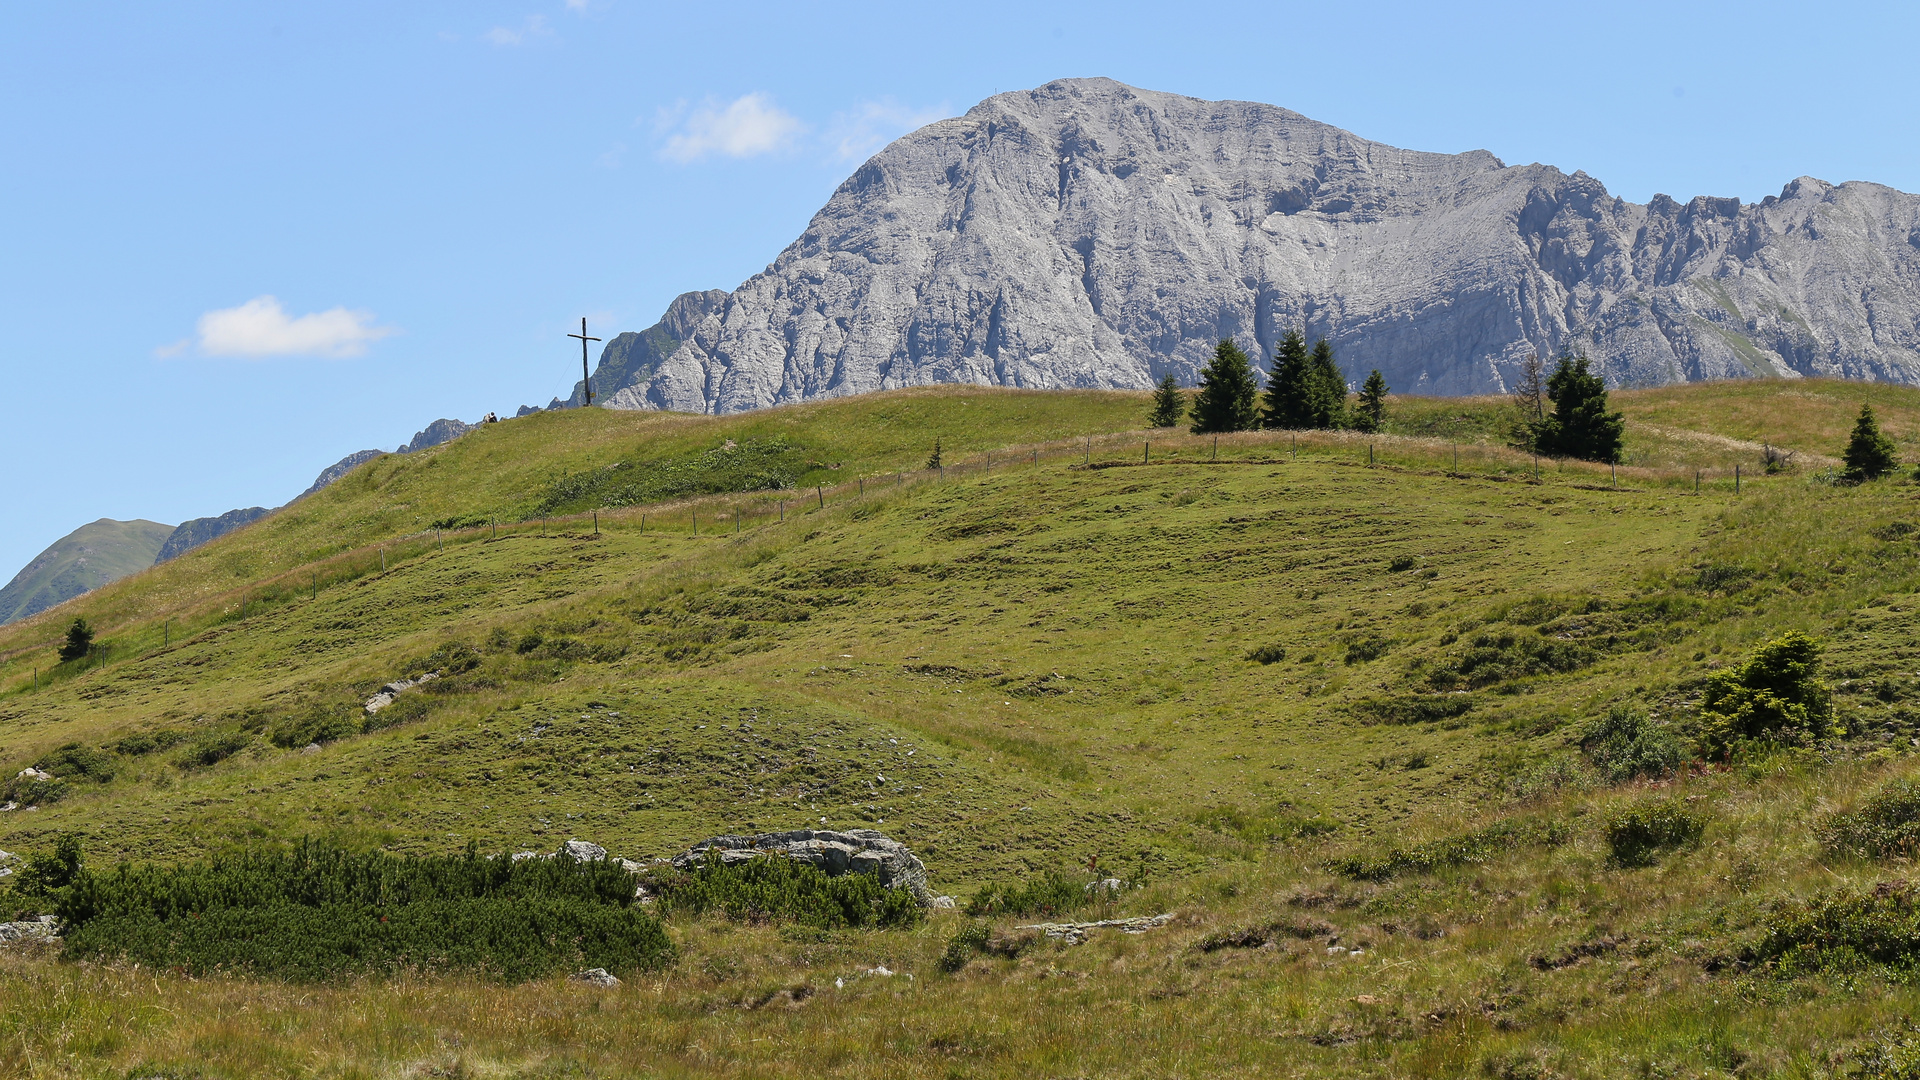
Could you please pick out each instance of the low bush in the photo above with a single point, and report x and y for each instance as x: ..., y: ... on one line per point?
x: 1467, y: 848
x: 317, y: 912
x: 1498, y: 655
x: 1413, y: 708
x: 1637, y: 834
x: 146, y: 742
x: 1625, y: 745
x: 1844, y: 930
x: 74, y: 760
x: 213, y: 748
x: 1047, y: 894
x: 318, y: 724
x: 962, y: 946
x: 1886, y: 825
x: 783, y: 889
x: 33, y: 791
x: 1268, y: 654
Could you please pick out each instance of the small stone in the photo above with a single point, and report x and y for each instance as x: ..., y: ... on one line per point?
x: 1336, y: 950
x: 594, y: 977
x: 944, y: 903
x: 31, y: 773
x: 582, y: 851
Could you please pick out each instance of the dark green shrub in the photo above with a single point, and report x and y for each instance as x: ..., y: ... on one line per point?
x: 1268, y: 654
x: 32, y: 791
x: 1367, y: 648
x: 75, y: 760
x: 962, y: 946
x: 47, y: 874
x: 1052, y: 893
x: 1625, y: 745
x: 319, y: 912
x: 1886, y: 825
x: 1401, y: 563
x: 1413, y: 708
x: 1843, y: 930
x: 1774, y: 697
x: 1465, y: 849
x: 146, y: 742
x: 1498, y: 655
x: 318, y: 724
x: 1636, y: 835
x: 213, y: 748
x: 783, y: 889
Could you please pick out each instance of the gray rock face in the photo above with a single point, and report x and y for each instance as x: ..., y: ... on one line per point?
x: 1088, y: 234
x: 438, y: 432
x: 633, y: 357
x: 339, y: 469
x: 855, y: 851
x: 191, y: 534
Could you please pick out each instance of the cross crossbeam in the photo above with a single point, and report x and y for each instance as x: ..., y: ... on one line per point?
x: 586, y: 380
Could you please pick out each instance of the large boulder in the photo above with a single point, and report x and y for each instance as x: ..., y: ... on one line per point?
x: 855, y: 851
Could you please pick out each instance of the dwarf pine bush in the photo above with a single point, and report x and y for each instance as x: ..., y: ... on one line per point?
x: 1636, y: 835
x: 1887, y: 824
x: 1052, y: 893
x: 316, y: 912
x: 786, y: 890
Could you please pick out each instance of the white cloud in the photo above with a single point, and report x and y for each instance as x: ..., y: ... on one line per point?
x: 856, y: 134
x: 535, y: 27
x: 749, y: 126
x: 261, y: 327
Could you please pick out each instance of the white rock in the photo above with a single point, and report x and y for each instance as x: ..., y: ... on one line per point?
x: 594, y: 977
x: 582, y: 851
x: 31, y: 773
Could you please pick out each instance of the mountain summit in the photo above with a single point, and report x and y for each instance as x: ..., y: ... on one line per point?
x: 1090, y: 234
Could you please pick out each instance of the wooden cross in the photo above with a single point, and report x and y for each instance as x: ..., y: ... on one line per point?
x: 586, y: 381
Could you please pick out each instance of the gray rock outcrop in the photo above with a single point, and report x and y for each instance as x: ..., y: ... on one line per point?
x: 1089, y: 234
x: 440, y: 431
x: 340, y: 468
x: 191, y: 534
x: 855, y: 851
x: 633, y: 357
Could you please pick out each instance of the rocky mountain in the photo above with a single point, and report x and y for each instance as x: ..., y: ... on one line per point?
x: 192, y: 533
x: 83, y: 560
x: 631, y: 358
x: 1091, y: 234
x: 440, y: 431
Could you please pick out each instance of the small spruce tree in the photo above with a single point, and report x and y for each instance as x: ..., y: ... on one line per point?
x: 1580, y: 425
x: 1371, y: 410
x: 933, y: 460
x: 1870, y: 454
x: 79, y: 640
x: 1169, y: 404
x: 1286, y: 398
x: 1229, y: 393
x: 1326, y: 389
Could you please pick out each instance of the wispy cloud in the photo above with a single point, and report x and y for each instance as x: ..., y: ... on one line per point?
x: 748, y: 126
x: 855, y: 134
x: 506, y: 37
x: 261, y: 327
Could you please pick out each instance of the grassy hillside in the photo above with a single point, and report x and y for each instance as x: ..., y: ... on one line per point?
x: 84, y: 559
x: 1218, y: 670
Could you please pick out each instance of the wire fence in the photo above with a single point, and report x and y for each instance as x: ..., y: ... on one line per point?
x: 741, y: 514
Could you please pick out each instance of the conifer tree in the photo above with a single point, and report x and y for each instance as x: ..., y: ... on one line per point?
x: 79, y: 640
x: 1870, y: 454
x: 1229, y: 393
x: 1286, y: 398
x: 1371, y: 410
x: 1169, y: 404
x: 1580, y: 425
x: 933, y: 460
x: 1326, y: 389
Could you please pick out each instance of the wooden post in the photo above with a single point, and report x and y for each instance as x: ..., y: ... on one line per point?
x: 1736, y: 479
x: 822, y: 493
x: 696, y: 523
x: 596, y: 523
x: 1696, y: 481
x: 1089, y: 460
x: 438, y: 544
x: 1613, y: 476
x: 1146, y: 452
x: 1036, y: 457
x: 1294, y: 442
x: 863, y: 486
x: 1456, y: 457
x: 783, y: 511
x: 166, y: 634
x: 1216, y: 448
x: 1369, y: 453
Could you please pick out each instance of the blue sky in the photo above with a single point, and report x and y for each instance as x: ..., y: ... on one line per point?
x: 242, y: 240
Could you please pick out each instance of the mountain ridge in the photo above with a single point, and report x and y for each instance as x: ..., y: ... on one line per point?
x: 1091, y: 234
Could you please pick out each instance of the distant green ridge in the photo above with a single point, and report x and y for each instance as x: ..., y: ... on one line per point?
x: 81, y: 561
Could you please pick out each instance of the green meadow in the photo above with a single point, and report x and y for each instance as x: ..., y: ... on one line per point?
x: 1320, y: 696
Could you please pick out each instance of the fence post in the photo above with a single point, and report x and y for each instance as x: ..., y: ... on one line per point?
x: 1456, y: 457
x: 696, y: 522
x: 1089, y: 460
x: 166, y: 634
x: 596, y: 523
x: 863, y: 486
x: 821, y: 491
x: 1736, y: 479
x: 1216, y: 448
x: 783, y: 510
x: 1696, y: 481
x: 1036, y: 457
x: 1146, y: 453
x: 1293, y: 441
x: 1369, y: 453
x: 383, y: 560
